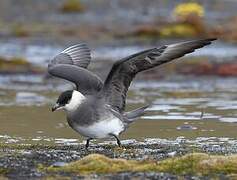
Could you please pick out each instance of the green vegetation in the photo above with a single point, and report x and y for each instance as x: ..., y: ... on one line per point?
x: 192, y: 164
x: 70, y: 6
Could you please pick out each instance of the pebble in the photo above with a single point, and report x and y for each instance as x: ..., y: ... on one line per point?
x: 59, y: 164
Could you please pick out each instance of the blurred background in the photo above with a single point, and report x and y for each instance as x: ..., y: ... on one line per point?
x: 192, y: 97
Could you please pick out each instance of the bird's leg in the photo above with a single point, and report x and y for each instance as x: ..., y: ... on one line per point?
x: 118, y: 141
x: 88, y: 142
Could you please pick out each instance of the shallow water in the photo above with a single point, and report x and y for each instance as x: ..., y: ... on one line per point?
x: 184, y: 106
x: 181, y: 106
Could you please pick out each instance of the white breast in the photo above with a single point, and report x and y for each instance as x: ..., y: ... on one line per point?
x: 101, y: 129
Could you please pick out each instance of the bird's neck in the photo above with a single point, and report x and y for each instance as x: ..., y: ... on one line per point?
x: 75, y: 102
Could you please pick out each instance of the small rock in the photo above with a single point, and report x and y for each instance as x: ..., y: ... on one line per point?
x: 59, y: 164
x: 172, y: 154
x: 186, y: 127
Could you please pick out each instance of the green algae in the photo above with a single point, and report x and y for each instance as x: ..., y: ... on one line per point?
x: 190, y: 164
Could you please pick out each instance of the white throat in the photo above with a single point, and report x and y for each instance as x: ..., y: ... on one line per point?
x: 74, y: 103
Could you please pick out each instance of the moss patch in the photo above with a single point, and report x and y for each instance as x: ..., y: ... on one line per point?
x: 13, y: 61
x: 3, y: 171
x: 195, y: 164
x: 70, y: 6
x: 200, y: 164
x: 17, y: 65
x: 96, y: 163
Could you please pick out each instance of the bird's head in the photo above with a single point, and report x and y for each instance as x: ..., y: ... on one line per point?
x: 68, y: 100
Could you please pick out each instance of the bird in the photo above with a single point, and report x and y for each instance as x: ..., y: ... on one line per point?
x: 96, y: 109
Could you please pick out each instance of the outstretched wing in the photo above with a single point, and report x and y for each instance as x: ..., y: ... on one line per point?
x: 71, y: 65
x: 122, y: 73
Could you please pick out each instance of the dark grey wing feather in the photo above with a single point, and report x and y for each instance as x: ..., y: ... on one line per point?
x: 86, y: 82
x: 71, y: 65
x: 122, y: 73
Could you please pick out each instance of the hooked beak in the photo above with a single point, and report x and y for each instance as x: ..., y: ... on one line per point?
x: 56, y: 107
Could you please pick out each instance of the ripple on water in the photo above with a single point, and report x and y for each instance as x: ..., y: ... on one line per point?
x: 29, y: 98
x: 182, y: 101
x: 171, y: 117
x: 163, y: 107
x: 186, y: 127
x: 229, y: 119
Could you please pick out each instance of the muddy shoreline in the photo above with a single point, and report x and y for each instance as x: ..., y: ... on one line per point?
x: 23, y: 161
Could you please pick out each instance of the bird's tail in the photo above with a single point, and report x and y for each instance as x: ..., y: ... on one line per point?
x: 135, y: 114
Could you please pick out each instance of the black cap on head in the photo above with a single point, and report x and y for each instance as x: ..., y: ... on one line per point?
x: 65, y: 97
